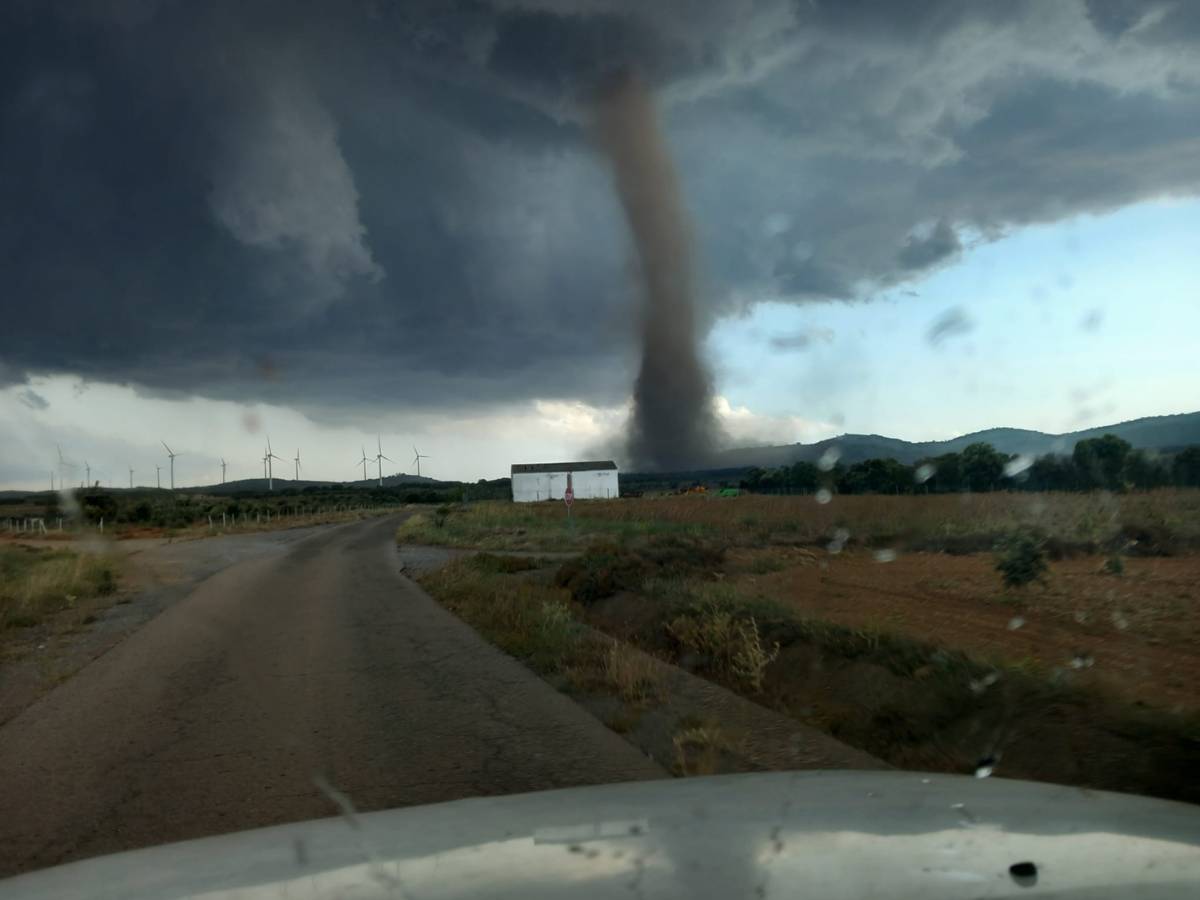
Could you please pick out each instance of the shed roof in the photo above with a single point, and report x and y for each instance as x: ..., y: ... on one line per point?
x: 587, y: 466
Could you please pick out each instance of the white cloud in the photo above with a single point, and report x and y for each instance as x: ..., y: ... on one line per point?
x: 745, y: 427
x: 114, y: 428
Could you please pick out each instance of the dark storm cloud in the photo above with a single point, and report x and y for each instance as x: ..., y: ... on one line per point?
x: 950, y: 324
x: 31, y: 398
x: 923, y: 252
x: 398, y: 204
x: 801, y: 340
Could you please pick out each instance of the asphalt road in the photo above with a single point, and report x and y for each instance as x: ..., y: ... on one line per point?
x: 322, y: 664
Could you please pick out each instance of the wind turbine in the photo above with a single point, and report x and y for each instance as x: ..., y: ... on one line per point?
x: 364, y: 462
x: 158, y: 476
x: 88, y: 469
x: 270, y: 468
x: 379, y: 458
x: 222, y: 470
x: 171, y: 453
x: 417, y: 457
x: 131, y: 478
x: 297, y: 461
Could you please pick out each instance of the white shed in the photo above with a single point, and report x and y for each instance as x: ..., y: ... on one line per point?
x: 547, y: 481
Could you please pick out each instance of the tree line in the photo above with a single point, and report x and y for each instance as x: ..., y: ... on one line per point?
x: 1108, y: 463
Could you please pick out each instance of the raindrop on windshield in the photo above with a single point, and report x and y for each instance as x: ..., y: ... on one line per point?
x: 829, y: 459
x: 1015, y: 622
x: 1017, y: 466
x: 885, y: 556
x: 840, y: 536
x: 824, y: 496
x: 924, y: 472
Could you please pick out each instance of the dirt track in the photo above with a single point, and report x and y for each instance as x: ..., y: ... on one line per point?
x: 322, y: 661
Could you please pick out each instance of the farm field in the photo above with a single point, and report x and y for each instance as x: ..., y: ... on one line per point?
x: 883, y: 621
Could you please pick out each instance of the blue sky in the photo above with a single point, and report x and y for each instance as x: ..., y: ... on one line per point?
x: 1083, y: 322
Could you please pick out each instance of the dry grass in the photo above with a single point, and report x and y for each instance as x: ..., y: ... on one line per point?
x: 698, y: 749
x: 1166, y: 520
x: 633, y: 675
x: 37, y: 582
x: 531, y: 621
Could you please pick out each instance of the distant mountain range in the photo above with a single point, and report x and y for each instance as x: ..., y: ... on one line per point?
x: 1162, y: 433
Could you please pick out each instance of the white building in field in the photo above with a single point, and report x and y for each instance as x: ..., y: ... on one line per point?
x: 548, y: 481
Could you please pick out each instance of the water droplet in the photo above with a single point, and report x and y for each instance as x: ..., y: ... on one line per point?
x: 926, y: 781
x: 885, y: 556
x: 979, y: 685
x: 1082, y: 661
x: 824, y: 496
x: 840, y: 536
x: 965, y: 816
x: 1018, y: 465
x: 829, y: 459
x: 983, y: 771
x: 1015, y: 622
x: 924, y: 472
x: 1080, y: 616
x: 1120, y: 621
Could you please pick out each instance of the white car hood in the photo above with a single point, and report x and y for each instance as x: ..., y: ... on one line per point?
x: 805, y: 834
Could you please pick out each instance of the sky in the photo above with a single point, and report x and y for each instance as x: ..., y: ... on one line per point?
x: 333, y: 224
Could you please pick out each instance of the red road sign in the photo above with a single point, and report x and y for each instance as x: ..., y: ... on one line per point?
x: 569, y: 493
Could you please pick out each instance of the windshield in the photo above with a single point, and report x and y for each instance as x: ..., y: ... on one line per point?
x: 410, y: 402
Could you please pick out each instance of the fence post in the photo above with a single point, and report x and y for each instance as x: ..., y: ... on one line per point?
x: 102, y: 524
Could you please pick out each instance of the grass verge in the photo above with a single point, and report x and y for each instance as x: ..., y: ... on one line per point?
x: 910, y: 702
x: 37, y: 582
x: 1152, y: 523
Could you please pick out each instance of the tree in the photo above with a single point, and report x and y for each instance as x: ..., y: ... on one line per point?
x: 1100, y: 460
x: 1186, y: 467
x: 947, y: 473
x: 877, y: 476
x: 1052, y: 473
x: 982, y: 467
x: 804, y: 476
x: 1141, y: 470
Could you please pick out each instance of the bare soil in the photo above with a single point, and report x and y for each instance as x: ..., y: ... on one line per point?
x: 1135, y: 634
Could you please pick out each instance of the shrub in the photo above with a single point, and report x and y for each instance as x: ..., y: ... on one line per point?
x: 601, y: 572
x: 502, y: 565
x: 726, y: 639
x: 1021, y: 558
x: 698, y: 750
x: 632, y: 674
x: 604, y: 569
x: 1114, y: 565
